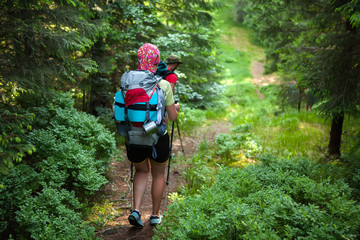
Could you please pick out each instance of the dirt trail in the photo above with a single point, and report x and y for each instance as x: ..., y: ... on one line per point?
x: 259, y: 79
x: 117, y: 191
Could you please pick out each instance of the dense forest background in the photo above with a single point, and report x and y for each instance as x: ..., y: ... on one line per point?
x: 281, y: 173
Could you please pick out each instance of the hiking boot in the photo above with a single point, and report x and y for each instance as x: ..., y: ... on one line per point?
x: 155, y: 220
x: 135, y: 218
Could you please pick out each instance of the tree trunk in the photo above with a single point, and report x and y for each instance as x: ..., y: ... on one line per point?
x: 84, y: 95
x: 335, y: 135
x: 300, y: 98
x: 338, y: 119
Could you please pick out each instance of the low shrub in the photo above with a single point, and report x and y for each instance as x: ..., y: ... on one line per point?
x: 52, y: 214
x: 43, y: 197
x: 351, y: 165
x: 238, y: 144
x: 276, y: 199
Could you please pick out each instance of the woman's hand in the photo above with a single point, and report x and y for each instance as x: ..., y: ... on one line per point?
x: 177, y: 106
x: 173, y: 110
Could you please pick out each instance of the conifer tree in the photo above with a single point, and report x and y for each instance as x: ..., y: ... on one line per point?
x: 42, y: 44
x: 189, y: 33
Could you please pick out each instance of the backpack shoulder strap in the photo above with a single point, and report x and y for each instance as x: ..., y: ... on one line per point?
x: 160, y: 104
x: 167, y: 73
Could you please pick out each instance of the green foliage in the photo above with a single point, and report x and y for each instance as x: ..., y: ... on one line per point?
x: 73, y: 142
x: 351, y: 165
x: 198, y: 78
x: 46, y: 192
x: 126, y: 25
x: 226, y: 144
x: 351, y: 12
x: 289, y: 95
x: 237, y: 145
x: 237, y: 90
x: 85, y: 47
x: 241, y: 94
x: 41, y: 45
x: 235, y: 148
x: 200, y: 174
x: 14, y: 123
x: 52, y: 215
x: 190, y: 118
x: 186, y: 93
x: 39, y: 212
x: 352, y: 137
x: 271, y: 92
x: 277, y: 199
x: 218, y: 111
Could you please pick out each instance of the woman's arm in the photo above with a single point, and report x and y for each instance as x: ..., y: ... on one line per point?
x: 172, y: 111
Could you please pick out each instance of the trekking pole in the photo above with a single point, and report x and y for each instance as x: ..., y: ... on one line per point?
x: 182, y: 147
x: 132, y: 185
x: 168, y: 170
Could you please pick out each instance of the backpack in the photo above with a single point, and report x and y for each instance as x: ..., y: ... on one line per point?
x: 139, y: 108
x: 162, y: 70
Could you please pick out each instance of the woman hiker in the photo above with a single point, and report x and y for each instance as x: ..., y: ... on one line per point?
x: 149, y: 58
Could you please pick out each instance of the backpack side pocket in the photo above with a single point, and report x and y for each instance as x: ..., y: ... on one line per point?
x: 138, y: 136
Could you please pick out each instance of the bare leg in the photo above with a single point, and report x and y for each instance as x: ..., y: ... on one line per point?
x: 140, y: 181
x: 158, y: 185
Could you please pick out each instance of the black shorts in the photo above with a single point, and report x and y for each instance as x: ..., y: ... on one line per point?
x: 137, y: 154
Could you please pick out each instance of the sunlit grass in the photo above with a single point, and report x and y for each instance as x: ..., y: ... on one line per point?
x: 289, y: 133
x: 103, y: 214
x: 306, y: 141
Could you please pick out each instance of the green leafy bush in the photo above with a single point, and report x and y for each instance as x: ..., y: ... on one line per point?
x: 46, y: 193
x: 277, y: 199
x: 238, y: 142
x: 351, y: 165
x: 225, y: 144
x: 52, y: 215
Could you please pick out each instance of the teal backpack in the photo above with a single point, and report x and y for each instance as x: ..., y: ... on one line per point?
x: 162, y: 70
x: 139, y: 108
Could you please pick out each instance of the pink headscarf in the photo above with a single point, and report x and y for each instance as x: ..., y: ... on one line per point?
x: 149, y: 55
